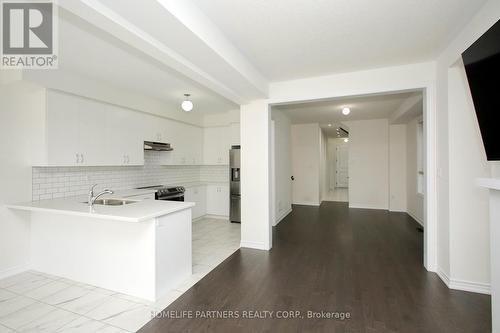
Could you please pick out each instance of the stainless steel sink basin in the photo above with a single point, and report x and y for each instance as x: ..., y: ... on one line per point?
x: 113, y: 202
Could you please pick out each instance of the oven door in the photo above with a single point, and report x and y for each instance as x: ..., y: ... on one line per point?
x: 172, y: 197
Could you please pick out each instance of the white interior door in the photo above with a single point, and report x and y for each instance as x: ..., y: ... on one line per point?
x: 342, y: 169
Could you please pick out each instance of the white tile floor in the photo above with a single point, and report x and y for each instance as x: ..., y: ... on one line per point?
x: 37, y: 302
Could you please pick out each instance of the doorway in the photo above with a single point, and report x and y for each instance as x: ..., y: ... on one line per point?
x: 372, y: 124
x: 338, y: 169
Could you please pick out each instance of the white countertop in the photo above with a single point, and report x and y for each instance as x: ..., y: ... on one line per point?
x: 491, y: 183
x: 134, y: 212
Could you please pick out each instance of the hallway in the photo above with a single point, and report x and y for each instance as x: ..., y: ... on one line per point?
x: 363, y: 263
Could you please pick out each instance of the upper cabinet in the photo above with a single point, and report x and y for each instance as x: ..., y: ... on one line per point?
x: 216, y: 145
x: 81, y: 131
x: 124, y: 141
x: 187, y: 141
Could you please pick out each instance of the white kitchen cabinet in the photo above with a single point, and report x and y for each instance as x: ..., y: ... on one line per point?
x: 154, y: 129
x: 197, y: 194
x: 187, y: 141
x: 216, y: 146
x: 217, y: 200
x: 75, y: 130
x: 61, y: 130
x: 124, y: 142
x: 84, y: 132
x: 91, y: 132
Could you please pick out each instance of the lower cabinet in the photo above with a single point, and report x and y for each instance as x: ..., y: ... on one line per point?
x: 197, y: 194
x: 218, y: 200
x: 209, y: 199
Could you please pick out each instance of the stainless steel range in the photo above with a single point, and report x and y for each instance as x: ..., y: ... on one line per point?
x: 166, y: 193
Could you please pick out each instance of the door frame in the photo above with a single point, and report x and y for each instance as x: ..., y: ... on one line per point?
x: 428, y: 90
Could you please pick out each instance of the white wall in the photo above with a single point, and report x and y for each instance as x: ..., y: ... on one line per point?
x: 469, y: 204
x: 462, y: 208
x: 415, y: 201
x: 306, y: 164
x: 20, y: 114
x: 283, y: 165
x: 256, y: 226
x: 397, y: 168
x: 369, y: 163
x: 221, y: 119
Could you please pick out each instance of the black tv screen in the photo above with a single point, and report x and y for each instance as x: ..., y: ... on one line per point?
x: 482, y: 65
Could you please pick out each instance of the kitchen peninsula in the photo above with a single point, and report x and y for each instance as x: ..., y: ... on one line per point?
x: 139, y: 248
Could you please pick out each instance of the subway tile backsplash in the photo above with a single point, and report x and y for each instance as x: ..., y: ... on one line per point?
x: 58, y: 182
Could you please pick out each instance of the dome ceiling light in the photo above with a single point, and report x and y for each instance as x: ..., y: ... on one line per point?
x: 187, y: 105
x: 346, y: 111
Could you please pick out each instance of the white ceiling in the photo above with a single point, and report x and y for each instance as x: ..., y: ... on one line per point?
x: 335, y: 130
x: 330, y: 111
x: 288, y: 39
x: 91, y: 52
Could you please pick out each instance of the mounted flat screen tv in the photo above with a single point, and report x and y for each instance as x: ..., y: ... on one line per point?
x: 482, y: 65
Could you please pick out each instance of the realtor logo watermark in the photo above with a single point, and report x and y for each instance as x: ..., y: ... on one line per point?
x: 29, y: 34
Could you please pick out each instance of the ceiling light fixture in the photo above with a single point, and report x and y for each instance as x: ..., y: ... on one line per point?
x: 187, y: 105
x: 329, y: 125
x: 346, y: 140
x: 346, y: 111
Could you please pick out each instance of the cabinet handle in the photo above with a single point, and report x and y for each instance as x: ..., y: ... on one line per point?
x: 77, y: 159
x: 81, y: 160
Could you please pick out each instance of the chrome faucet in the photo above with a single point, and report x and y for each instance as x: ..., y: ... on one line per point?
x: 93, y: 198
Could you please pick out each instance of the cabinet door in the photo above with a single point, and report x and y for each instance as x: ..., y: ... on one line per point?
x: 153, y: 129
x: 216, y: 145
x: 196, y: 141
x: 223, y: 200
x: 124, y: 143
x: 211, y: 191
x: 202, y: 200
x: 196, y: 195
x: 62, y: 129
x: 217, y: 200
x: 92, y: 131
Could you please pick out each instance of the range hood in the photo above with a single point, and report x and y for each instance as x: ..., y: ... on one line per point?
x: 157, y: 146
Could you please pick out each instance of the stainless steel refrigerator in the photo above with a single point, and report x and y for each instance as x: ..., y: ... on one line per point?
x: 234, y: 185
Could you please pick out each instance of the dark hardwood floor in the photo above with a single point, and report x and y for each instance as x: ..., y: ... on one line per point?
x: 367, y: 263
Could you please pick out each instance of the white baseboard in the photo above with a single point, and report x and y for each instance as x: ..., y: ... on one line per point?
x: 397, y: 210
x: 455, y: 284
x: 285, y: 214
x: 306, y: 203
x: 363, y: 206
x: 415, y: 218
x: 14, y: 270
x: 216, y: 217
x: 254, y: 245
x: 444, y: 277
